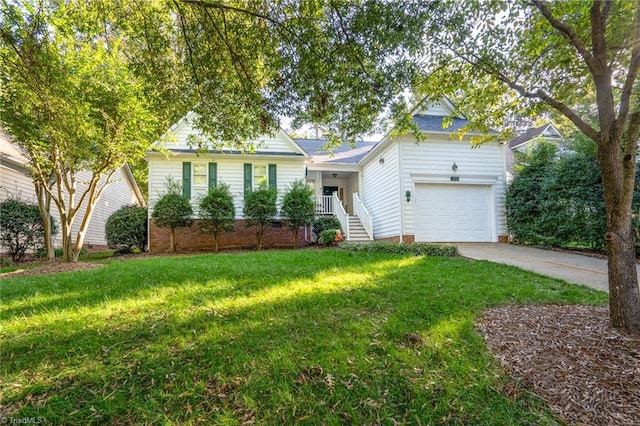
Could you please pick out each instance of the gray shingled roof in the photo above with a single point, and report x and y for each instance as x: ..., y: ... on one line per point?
x: 433, y: 123
x: 343, y: 154
x: 528, y: 135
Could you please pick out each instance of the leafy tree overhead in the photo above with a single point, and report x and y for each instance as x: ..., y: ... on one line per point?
x: 260, y: 209
x: 217, y: 212
x: 577, y: 58
x: 82, y: 97
x: 298, y: 207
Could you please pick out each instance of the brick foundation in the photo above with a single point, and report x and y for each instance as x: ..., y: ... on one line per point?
x: 192, y: 239
x: 503, y: 238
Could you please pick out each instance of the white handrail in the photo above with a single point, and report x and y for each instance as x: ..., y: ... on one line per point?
x: 324, y: 205
x: 341, y: 214
x: 365, y: 217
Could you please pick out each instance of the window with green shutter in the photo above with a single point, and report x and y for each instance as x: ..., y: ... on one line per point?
x: 186, y: 179
x: 213, y: 175
x: 248, y: 177
x: 272, y: 176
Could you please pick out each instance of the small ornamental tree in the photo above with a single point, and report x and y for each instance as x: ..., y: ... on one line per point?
x: 21, y: 228
x: 126, y: 228
x: 217, y: 212
x: 298, y: 208
x: 172, y: 211
x: 260, y: 209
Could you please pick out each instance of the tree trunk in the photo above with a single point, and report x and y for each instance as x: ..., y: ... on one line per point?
x: 172, y: 240
x: 618, y: 179
x: 216, y: 241
x: 295, y: 238
x: 44, y: 205
x: 259, y: 235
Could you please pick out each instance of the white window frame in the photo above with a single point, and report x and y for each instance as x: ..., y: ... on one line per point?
x: 257, y: 178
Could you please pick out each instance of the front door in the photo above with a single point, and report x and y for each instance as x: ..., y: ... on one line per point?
x: 329, y: 190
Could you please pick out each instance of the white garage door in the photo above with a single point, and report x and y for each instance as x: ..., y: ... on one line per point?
x: 453, y: 213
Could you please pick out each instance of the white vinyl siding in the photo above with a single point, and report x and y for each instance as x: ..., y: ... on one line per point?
x: 15, y: 183
x: 435, y: 157
x: 116, y: 195
x: 276, y: 143
x: 230, y: 170
x: 381, y: 192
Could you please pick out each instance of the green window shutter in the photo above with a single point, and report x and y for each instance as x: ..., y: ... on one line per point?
x: 248, y: 177
x: 273, y: 183
x: 213, y: 175
x: 186, y: 179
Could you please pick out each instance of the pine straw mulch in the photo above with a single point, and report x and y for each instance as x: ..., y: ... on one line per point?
x: 587, y: 372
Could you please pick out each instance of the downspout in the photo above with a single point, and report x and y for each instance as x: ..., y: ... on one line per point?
x: 400, y: 190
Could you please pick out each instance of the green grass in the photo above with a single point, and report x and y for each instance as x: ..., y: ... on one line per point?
x: 281, y: 337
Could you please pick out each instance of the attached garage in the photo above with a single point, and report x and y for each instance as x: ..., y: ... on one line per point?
x: 454, y: 213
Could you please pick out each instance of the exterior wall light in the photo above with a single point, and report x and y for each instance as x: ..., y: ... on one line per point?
x: 381, y: 161
x: 454, y: 167
x: 408, y: 195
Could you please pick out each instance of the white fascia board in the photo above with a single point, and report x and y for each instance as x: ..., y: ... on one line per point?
x: 333, y: 167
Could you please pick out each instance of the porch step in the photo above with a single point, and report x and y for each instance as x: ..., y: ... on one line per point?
x: 357, y: 233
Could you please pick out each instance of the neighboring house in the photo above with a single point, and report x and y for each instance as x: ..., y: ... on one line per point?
x: 546, y: 132
x: 16, y: 182
x: 439, y: 190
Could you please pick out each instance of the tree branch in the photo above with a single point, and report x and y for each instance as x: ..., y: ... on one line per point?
x: 632, y: 73
x: 568, y: 32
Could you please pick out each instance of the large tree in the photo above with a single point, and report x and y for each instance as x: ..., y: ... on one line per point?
x: 577, y: 58
x: 81, y: 94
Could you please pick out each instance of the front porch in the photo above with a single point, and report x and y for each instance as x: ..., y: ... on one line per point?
x: 357, y: 226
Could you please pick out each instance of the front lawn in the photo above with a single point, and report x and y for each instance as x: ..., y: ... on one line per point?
x: 281, y: 337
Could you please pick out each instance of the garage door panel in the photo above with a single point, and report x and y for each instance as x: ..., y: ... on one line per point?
x: 453, y: 213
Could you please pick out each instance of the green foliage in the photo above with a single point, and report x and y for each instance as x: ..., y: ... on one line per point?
x: 173, y: 210
x: 325, y: 222
x: 126, y: 228
x: 260, y: 209
x: 276, y: 332
x: 556, y: 198
x: 298, y: 207
x: 217, y: 212
x: 416, y: 249
x: 328, y: 237
x: 21, y: 228
x: 78, y: 96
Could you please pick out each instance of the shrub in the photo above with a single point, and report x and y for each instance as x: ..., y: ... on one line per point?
x: 21, y: 228
x: 298, y: 208
x: 172, y: 211
x: 217, y: 212
x: 328, y: 237
x: 324, y: 223
x: 126, y: 228
x: 417, y: 249
x: 260, y: 209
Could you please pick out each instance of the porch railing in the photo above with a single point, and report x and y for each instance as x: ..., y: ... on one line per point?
x: 365, y: 217
x: 324, y: 205
x: 342, y: 215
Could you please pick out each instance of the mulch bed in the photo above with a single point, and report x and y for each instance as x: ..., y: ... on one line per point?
x: 587, y: 372
x: 53, y: 268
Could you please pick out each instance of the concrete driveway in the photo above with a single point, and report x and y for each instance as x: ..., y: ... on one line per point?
x: 573, y: 268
